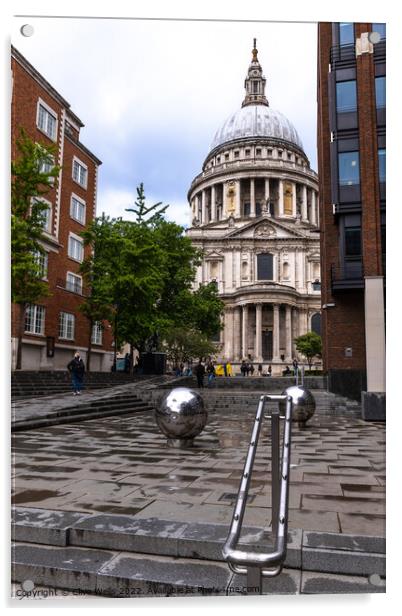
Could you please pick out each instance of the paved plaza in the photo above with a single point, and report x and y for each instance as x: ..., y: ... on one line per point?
x: 122, y: 465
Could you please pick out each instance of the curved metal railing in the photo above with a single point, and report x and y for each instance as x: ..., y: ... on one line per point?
x: 255, y: 564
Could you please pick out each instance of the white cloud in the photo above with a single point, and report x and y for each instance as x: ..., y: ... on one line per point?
x: 153, y: 93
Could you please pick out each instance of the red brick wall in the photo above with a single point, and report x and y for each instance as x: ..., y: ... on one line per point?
x: 344, y: 324
x: 26, y: 91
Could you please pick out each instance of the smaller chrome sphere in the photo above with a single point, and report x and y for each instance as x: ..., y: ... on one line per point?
x: 303, y: 403
x: 181, y: 414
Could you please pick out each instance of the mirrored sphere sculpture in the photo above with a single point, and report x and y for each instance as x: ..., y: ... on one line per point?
x: 303, y: 403
x: 181, y: 416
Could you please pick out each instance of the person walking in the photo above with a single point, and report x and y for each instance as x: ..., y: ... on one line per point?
x: 199, y: 373
x: 269, y: 372
x: 295, y: 366
x: 76, y: 367
x: 251, y: 369
x: 243, y: 368
x: 259, y: 369
x: 211, y: 373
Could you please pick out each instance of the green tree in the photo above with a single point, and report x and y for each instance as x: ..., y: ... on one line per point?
x: 123, y: 273
x: 309, y: 345
x: 183, y: 345
x: 33, y: 174
x: 141, y: 210
x: 207, y: 310
x: 99, y: 281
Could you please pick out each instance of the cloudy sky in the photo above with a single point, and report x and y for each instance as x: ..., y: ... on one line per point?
x: 152, y: 93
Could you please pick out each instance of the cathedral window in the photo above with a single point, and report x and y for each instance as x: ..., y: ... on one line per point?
x: 226, y: 156
x: 286, y: 271
x: 247, y: 152
x: 269, y: 152
x: 236, y: 154
x: 258, y: 152
x: 279, y: 153
x: 265, y: 266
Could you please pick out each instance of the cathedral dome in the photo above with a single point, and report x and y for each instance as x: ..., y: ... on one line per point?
x: 256, y: 120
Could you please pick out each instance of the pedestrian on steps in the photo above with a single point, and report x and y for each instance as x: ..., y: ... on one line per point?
x: 76, y: 367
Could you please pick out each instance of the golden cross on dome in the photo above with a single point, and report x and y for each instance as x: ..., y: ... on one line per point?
x: 255, y: 51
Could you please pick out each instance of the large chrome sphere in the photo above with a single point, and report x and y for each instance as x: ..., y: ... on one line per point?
x: 303, y: 403
x: 181, y: 414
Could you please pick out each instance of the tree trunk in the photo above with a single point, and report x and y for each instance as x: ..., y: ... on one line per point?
x: 21, y: 327
x: 131, y: 371
x: 88, y: 366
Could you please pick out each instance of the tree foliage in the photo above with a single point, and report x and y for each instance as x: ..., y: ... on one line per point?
x: 33, y: 174
x: 309, y: 345
x: 183, y: 344
x: 141, y: 274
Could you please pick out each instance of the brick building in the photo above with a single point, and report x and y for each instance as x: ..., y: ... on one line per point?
x: 55, y: 328
x: 351, y: 165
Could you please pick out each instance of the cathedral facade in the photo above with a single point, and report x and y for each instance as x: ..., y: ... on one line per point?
x: 255, y: 217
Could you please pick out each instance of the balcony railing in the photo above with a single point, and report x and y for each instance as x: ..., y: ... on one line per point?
x: 244, y: 165
x: 349, y: 275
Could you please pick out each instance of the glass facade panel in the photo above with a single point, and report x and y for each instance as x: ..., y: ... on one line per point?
x: 346, y: 34
x: 381, y: 165
x: 348, y: 168
x: 353, y: 242
x: 346, y: 96
x: 380, y: 92
x: 381, y: 29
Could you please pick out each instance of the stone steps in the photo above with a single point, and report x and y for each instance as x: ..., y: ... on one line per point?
x: 113, y: 554
x: 220, y: 401
x: 118, y: 405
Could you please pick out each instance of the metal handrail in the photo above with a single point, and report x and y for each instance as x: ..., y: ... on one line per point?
x: 246, y: 562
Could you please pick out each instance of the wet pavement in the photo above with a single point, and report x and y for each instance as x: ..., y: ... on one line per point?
x: 122, y: 465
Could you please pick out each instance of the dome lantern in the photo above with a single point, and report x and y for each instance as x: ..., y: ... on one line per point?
x: 255, y: 82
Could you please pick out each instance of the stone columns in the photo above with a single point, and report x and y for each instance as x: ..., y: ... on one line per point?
x: 244, y: 345
x: 266, y: 195
x: 295, y: 318
x: 237, y: 199
x: 304, y: 203
x: 294, y: 209
x: 313, y: 209
x: 258, y: 332
x: 288, y: 325
x: 203, y: 207
x: 252, y: 197
x: 213, y: 204
x: 275, y: 345
x: 236, y: 333
x: 281, y: 201
x: 228, y: 333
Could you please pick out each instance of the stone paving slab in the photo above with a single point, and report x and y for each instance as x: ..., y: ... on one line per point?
x: 122, y: 465
x: 324, y: 583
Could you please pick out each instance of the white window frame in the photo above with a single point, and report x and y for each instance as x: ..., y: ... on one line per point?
x: 73, y: 236
x: 85, y: 167
x: 71, y: 284
x: 42, y: 259
x: 97, y: 331
x: 51, y: 112
x: 73, y: 198
x: 64, y: 325
x: 48, y: 222
x: 39, y: 312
